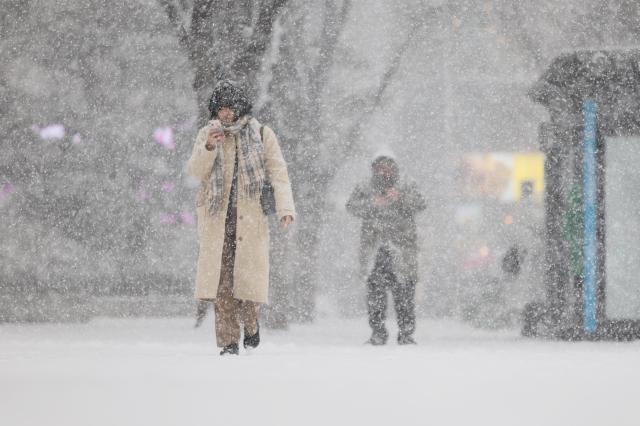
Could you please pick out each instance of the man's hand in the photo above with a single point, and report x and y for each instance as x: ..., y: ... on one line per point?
x: 215, y: 136
x: 286, y: 221
x: 379, y: 200
x: 391, y: 195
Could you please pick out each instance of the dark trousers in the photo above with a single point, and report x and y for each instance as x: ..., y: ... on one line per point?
x: 381, y: 279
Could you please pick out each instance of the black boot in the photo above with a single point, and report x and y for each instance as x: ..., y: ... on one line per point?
x: 251, y: 341
x: 231, y: 349
x: 405, y: 339
x: 378, y: 338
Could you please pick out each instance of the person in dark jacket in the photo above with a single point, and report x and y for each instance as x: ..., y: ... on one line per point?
x: 388, y: 246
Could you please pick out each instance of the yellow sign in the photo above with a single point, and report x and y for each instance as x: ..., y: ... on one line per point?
x: 503, y: 176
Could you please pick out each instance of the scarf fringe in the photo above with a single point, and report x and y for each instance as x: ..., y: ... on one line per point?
x: 251, y: 174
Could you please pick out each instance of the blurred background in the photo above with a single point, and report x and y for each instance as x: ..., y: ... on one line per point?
x: 100, y: 102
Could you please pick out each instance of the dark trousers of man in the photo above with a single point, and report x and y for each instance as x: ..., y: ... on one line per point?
x: 232, y: 313
x: 382, y: 279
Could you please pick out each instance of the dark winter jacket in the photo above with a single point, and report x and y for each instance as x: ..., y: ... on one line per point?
x: 391, y: 226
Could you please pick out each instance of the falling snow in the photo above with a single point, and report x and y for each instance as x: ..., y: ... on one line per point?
x: 481, y: 104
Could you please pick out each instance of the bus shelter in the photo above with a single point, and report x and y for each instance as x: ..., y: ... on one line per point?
x: 591, y: 144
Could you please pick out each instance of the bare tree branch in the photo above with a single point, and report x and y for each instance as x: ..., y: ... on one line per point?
x: 216, y: 40
x: 334, y: 23
x: 174, y: 19
x: 376, y: 99
x: 514, y: 24
x: 248, y: 60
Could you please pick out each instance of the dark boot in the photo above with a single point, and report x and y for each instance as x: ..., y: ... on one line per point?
x: 231, y: 349
x: 378, y: 338
x: 405, y: 339
x: 251, y: 341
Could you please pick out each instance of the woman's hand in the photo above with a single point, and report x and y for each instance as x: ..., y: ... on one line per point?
x: 215, y: 137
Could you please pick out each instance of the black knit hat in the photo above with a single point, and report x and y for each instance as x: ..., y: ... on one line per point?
x: 385, y: 159
x: 230, y: 94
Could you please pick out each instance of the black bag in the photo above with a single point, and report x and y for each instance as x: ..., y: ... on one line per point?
x: 267, y: 197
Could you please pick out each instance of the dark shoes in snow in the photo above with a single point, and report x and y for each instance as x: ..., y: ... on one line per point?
x: 251, y: 342
x: 405, y: 339
x: 378, y: 338
x: 231, y: 349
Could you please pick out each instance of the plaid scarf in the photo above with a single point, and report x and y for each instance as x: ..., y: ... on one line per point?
x: 251, y: 174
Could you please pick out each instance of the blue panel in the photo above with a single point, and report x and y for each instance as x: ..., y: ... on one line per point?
x: 590, y: 248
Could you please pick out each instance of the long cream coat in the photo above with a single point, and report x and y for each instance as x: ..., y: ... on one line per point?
x: 251, y: 270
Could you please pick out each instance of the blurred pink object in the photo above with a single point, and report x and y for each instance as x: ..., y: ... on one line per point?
x: 168, y: 219
x: 77, y: 139
x: 187, y: 218
x: 6, y: 190
x: 53, y: 131
x: 164, y: 137
x: 142, y: 195
x: 167, y: 186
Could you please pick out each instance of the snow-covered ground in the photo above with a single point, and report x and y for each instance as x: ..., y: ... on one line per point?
x: 164, y: 372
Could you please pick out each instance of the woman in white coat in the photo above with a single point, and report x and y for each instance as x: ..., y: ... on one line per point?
x: 236, y: 159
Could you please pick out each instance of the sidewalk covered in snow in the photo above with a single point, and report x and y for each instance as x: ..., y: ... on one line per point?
x: 164, y: 372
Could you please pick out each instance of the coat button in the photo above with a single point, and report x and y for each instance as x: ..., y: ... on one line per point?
x: 239, y: 238
x: 240, y: 217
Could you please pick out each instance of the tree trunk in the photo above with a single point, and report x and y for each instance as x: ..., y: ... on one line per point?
x: 224, y: 40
